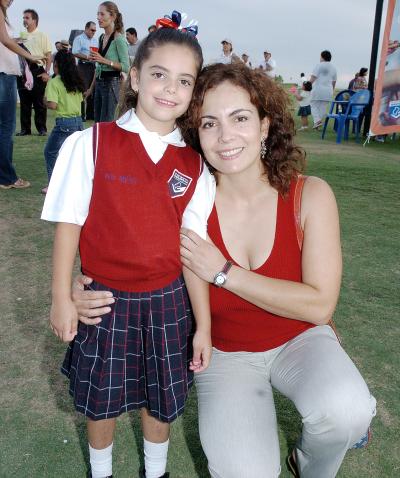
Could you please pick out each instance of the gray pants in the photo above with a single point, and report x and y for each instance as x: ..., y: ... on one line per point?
x: 237, y: 421
x: 318, y: 109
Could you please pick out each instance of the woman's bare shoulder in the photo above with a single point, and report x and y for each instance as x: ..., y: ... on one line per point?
x: 317, y: 196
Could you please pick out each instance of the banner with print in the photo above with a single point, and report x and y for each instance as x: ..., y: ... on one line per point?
x: 385, y: 117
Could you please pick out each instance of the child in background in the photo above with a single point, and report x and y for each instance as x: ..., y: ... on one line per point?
x: 64, y: 94
x: 139, y: 179
x: 303, y: 97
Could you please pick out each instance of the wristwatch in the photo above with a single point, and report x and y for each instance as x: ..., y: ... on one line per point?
x: 221, y: 277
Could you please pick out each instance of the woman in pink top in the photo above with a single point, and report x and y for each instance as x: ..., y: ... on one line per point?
x: 9, y: 70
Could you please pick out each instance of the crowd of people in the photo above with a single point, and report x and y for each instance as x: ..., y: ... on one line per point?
x: 180, y: 255
x: 104, y: 62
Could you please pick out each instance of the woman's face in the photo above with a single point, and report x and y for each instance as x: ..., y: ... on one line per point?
x: 104, y: 17
x: 231, y: 131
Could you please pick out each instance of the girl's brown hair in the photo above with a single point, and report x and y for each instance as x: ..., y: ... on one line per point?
x: 283, y: 160
x: 112, y: 9
x: 161, y: 37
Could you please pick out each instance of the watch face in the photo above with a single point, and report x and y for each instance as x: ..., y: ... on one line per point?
x: 220, y: 279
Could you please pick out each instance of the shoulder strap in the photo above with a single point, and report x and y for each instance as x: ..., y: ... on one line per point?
x: 95, y: 142
x: 297, y: 209
x: 299, y: 230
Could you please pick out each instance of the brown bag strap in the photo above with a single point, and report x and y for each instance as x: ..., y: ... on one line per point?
x: 297, y: 209
x: 299, y: 230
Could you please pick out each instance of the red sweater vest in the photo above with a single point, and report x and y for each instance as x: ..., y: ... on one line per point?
x: 238, y: 325
x: 130, y: 240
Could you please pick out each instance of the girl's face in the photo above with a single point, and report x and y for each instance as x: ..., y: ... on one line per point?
x: 165, y: 85
x: 231, y: 131
x: 104, y: 17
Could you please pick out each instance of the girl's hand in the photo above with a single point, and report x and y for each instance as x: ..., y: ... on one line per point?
x: 88, y: 93
x: 90, y: 304
x: 64, y: 319
x: 200, y: 256
x: 202, y: 351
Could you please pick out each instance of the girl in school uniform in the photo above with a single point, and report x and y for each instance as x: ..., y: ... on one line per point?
x: 119, y: 192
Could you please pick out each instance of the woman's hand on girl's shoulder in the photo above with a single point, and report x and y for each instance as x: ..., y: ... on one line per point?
x: 90, y: 304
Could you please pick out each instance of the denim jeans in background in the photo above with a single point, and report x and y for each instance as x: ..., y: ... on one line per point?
x: 106, y: 98
x: 64, y: 127
x: 8, y: 112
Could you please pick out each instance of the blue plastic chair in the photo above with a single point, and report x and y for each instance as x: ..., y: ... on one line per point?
x: 356, y: 113
x: 342, y: 112
x: 342, y: 99
x: 343, y: 96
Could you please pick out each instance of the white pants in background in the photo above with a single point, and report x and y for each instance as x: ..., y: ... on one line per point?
x: 237, y: 421
x: 318, y: 109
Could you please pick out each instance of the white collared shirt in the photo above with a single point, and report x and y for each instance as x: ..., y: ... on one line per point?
x: 70, y: 188
x: 82, y: 44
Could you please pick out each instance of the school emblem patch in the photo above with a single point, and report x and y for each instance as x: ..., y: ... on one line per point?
x: 178, y: 183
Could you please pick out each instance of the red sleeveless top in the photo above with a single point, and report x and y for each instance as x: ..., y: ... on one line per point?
x: 130, y: 240
x: 238, y: 325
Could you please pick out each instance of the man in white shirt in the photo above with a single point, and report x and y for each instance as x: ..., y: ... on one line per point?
x: 323, y: 79
x: 81, y: 50
x: 133, y: 43
x: 269, y: 64
x: 227, y: 55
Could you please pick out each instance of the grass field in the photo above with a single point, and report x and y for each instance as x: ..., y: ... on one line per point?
x: 43, y: 437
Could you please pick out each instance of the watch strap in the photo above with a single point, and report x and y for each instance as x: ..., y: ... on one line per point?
x: 227, y: 266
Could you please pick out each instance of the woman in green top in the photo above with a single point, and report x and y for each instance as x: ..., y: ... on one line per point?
x: 64, y: 94
x: 111, y: 59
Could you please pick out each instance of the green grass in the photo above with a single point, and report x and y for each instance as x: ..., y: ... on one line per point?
x: 43, y: 437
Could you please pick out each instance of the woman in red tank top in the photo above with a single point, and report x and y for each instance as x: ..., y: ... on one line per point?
x: 274, y: 268
x: 272, y: 294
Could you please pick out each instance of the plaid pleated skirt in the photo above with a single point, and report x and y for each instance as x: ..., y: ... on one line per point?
x: 138, y: 356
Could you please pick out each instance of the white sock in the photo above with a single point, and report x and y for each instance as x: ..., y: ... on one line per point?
x: 155, y: 458
x: 101, y: 461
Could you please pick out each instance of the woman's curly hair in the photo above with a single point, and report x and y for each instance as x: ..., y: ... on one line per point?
x: 67, y: 69
x: 283, y: 160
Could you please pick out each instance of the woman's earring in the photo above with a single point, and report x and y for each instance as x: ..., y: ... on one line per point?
x: 263, y: 150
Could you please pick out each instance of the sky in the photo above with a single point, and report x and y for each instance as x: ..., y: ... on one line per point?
x: 294, y: 32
